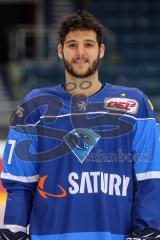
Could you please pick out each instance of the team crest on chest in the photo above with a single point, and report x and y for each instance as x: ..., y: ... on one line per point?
x: 81, y: 141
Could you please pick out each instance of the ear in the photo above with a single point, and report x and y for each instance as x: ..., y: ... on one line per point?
x: 102, y: 51
x: 60, y: 51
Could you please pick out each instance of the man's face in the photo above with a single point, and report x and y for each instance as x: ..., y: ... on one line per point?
x: 81, y: 53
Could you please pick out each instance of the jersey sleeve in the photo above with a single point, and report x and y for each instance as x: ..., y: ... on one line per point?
x: 20, y: 172
x: 146, y: 150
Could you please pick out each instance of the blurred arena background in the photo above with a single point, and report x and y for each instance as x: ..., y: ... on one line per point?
x: 28, y: 55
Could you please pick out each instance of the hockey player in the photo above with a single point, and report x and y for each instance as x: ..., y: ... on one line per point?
x: 82, y: 159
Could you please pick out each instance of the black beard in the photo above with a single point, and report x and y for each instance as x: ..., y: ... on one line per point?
x: 91, y: 70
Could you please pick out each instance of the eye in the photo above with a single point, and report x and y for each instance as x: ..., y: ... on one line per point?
x: 89, y: 45
x: 72, y: 45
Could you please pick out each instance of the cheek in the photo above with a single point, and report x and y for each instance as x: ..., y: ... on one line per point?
x: 68, y: 54
x: 95, y: 55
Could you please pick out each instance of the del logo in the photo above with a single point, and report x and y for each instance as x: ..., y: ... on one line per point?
x: 121, y: 104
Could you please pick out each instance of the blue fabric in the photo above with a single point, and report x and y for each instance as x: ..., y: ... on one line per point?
x: 81, y: 236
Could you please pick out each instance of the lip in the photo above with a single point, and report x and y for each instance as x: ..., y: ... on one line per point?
x: 80, y: 61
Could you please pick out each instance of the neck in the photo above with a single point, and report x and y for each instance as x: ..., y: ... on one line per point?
x: 82, y: 87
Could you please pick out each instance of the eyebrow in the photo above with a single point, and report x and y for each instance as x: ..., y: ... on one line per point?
x: 86, y: 40
x: 91, y: 41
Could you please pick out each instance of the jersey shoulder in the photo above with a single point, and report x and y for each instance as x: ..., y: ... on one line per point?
x: 51, y: 90
x: 35, y: 104
x: 124, y: 91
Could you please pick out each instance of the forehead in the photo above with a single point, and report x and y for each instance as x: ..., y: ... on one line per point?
x: 81, y: 35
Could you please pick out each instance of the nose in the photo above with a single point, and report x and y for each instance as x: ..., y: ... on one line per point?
x: 80, y: 50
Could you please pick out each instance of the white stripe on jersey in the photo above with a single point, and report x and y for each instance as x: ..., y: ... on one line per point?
x: 148, y: 175
x: 15, y: 228
x: 79, y: 114
x: 24, y: 179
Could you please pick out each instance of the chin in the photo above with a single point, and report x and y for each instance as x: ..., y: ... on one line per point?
x: 80, y: 75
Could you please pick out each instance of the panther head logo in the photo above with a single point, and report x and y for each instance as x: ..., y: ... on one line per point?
x: 80, y: 140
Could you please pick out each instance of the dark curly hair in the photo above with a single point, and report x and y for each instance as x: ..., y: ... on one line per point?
x: 83, y: 20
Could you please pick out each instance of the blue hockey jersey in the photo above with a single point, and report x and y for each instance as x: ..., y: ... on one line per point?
x: 82, y: 168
